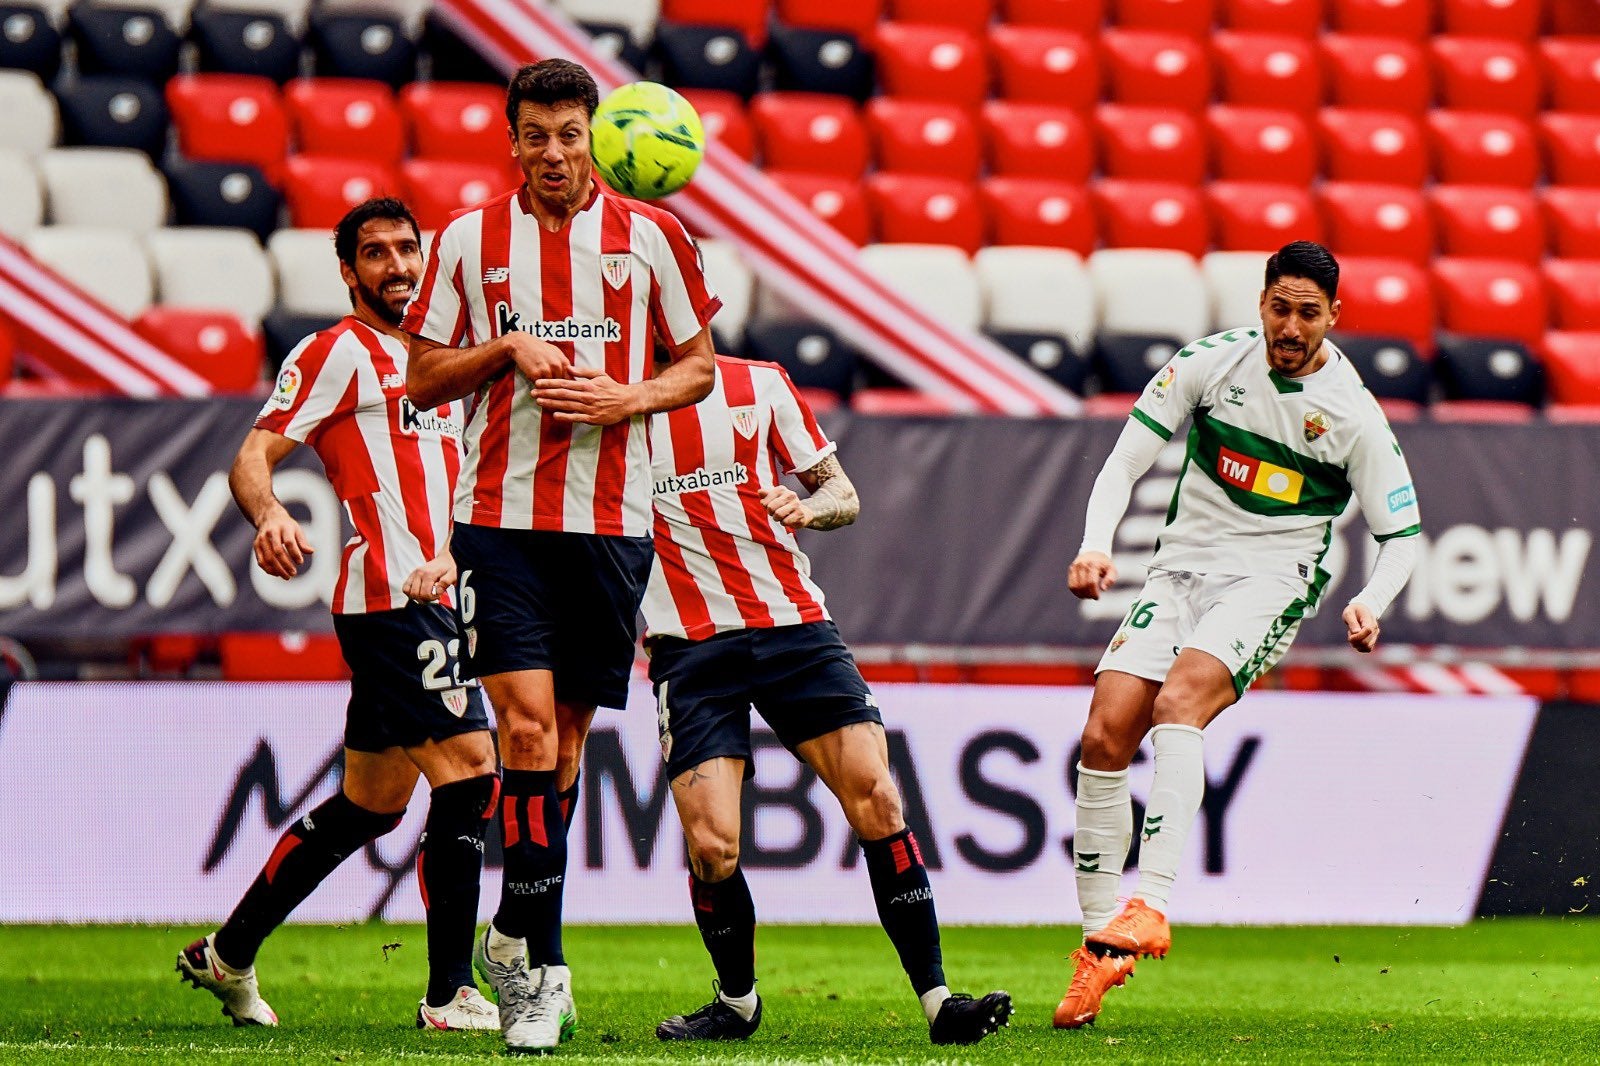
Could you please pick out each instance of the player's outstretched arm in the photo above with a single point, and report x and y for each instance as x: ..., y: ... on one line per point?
x: 437, y: 373
x: 1092, y: 572
x: 594, y: 398
x: 833, y: 501
x: 281, y: 546
x: 1390, y: 572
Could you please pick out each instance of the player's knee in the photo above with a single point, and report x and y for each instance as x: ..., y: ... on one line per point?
x: 528, y: 737
x: 713, y: 852
x: 874, y: 810
x: 1180, y: 704
x: 1106, y: 748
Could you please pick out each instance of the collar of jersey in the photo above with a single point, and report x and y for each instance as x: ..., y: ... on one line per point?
x: 1287, y: 385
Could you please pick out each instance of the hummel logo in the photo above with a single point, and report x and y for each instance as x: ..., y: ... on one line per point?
x: 495, y: 275
x: 1089, y: 862
x: 1152, y: 825
x: 1238, y: 647
x: 1236, y: 395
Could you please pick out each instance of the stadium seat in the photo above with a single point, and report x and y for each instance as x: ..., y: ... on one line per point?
x: 1572, y: 217
x: 859, y: 17
x: 1382, y: 73
x: 1510, y: 19
x: 970, y: 15
x: 810, y: 132
x: 1476, y: 147
x: 939, y: 279
x: 1412, y: 19
x: 733, y: 283
x: 214, y: 344
x: 724, y: 118
x: 1251, y: 216
x: 107, y: 111
x: 1501, y: 411
x: 1571, y: 147
x: 1127, y: 361
x: 1260, y: 144
x: 1362, y: 218
x: 923, y: 137
x: 813, y: 355
x: 435, y: 189
x: 1485, y: 368
x: 1390, y: 367
x: 1192, y: 17
x: 1574, y: 287
x: 222, y: 194
x: 1487, y: 221
x: 1037, y: 140
x: 749, y: 17
x: 1387, y: 297
x: 206, y: 269
x: 1572, y: 72
x: 1475, y: 74
x: 1126, y: 282
x: 1151, y: 214
x: 245, y: 42
x: 1499, y: 298
x: 1045, y: 66
x: 21, y: 196
x: 925, y: 209
x: 1079, y: 16
x: 1156, y: 143
x: 1381, y: 146
x: 1049, y: 354
x: 363, y: 46
x: 132, y: 42
x: 456, y: 120
x: 408, y: 13
x: 836, y: 200
x: 107, y: 264
x: 29, y: 41
x: 231, y: 118
x: 112, y: 188
x: 282, y: 330
x: 902, y: 403
x: 1043, y: 291
x: 309, y: 282
x: 1155, y: 68
x: 1233, y: 287
x: 820, y: 61
x: 32, y: 120
x: 1303, y: 18
x: 931, y: 63
x: 707, y: 57
x: 453, y: 59
x: 1572, y: 17
x: 1572, y: 366
x: 1038, y: 211
x: 344, y: 116
x: 640, y: 16
x: 281, y: 657
x: 1267, y: 70
x: 320, y: 189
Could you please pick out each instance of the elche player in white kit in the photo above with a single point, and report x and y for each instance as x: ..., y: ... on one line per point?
x: 733, y: 619
x: 342, y: 391
x: 1284, y: 436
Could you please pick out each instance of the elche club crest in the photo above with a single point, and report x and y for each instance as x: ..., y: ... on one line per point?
x: 616, y: 266
x: 744, y: 420
x: 1316, y: 425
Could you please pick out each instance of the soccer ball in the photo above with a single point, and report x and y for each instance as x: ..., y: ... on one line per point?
x: 647, y: 140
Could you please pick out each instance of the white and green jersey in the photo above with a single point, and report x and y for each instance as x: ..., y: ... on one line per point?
x: 1272, y: 460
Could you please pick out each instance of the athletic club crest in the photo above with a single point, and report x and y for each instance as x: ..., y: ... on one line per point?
x: 455, y: 701
x: 615, y: 266
x: 744, y: 420
x: 1316, y: 425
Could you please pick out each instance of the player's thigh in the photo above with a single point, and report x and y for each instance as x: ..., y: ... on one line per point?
x: 507, y: 600
x: 457, y: 758
x: 707, y: 799
x: 1248, y: 625
x: 379, y: 781
x: 853, y: 762
x: 602, y: 581
x: 702, y: 702
x: 1120, y: 715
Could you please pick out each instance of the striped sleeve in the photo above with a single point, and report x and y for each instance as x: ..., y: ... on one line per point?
x: 438, y: 309
x: 681, y: 302
x: 314, y: 385
x: 796, y: 438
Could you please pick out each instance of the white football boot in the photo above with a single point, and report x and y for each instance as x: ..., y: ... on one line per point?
x: 237, y: 989
x: 468, y: 1010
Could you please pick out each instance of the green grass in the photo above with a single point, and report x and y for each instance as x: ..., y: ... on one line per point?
x: 1526, y: 990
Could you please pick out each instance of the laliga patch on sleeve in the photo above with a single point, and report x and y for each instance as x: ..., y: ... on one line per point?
x: 1402, y: 498
x: 288, y: 386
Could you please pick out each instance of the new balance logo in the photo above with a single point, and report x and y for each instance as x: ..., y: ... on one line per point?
x: 496, y: 275
x: 1152, y: 825
x: 1089, y: 862
x: 393, y: 381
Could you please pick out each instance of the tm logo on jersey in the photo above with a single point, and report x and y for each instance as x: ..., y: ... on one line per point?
x: 695, y: 480
x: 565, y: 329
x: 1260, y: 477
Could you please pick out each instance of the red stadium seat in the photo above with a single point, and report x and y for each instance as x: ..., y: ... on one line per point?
x: 1192, y: 17
x: 1151, y: 214
x: 214, y: 344
x: 1155, y: 143
x: 1481, y: 148
x: 1250, y: 216
x: 1080, y: 16
x: 1267, y: 70
x: 281, y: 657
x: 811, y: 132
x: 1362, y: 145
x: 1487, y: 221
x: 1260, y: 144
x: 1039, y: 211
x: 923, y: 137
x: 1382, y: 18
x: 724, y: 118
x: 320, y: 189
x: 1038, y: 140
x: 1510, y: 19
x: 1571, y: 147
x: 232, y: 118
x: 1481, y: 411
x: 1572, y: 217
x: 1572, y: 72
x: 1573, y: 17
x: 859, y: 17
x: 1574, y: 286
x: 1159, y: 69
x: 931, y: 63
x: 1046, y: 66
x: 907, y: 402
x: 837, y: 201
x: 456, y: 120
x: 923, y: 209
x: 1572, y: 366
x: 345, y: 116
x: 1303, y: 18
x: 1490, y: 298
x: 1474, y: 74
x: 747, y: 16
x: 1387, y: 73
x: 969, y: 15
x: 437, y: 188
x: 1376, y: 220
x: 821, y: 400
x: 1391, y: 297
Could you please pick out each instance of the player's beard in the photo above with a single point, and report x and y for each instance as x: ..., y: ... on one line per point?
x: 1290, y: 362
x: 383, y: 306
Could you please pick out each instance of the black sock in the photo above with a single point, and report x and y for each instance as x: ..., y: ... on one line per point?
x: 449, y: 869
x: 726, y: 916
x: 905, y: 906
x: 310, y: 851
x: 569, y: 802
x: 535, y: 843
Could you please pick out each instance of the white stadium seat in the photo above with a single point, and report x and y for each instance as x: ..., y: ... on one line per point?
x: 1150, y: 291
x: 21, y: 196
x: 177, y: 12
x: 309, y: 282
x: 1234, y: 281
x: 1037, y: 290
x: 640, y: 16
x: 211, y: 269
x: 108, y: 264
x: 32, y: 122
x: 731, y: 280
x: 938, y: 278
x: 117, y: 188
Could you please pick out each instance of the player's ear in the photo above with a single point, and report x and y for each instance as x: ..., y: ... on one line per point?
x: 1333, y: 314
x: 348, y: 273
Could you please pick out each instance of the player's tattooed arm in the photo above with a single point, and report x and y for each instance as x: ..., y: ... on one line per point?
x: 833, y: 501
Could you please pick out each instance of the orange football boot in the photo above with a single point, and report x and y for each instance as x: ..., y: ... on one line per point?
x: 1138, y: 929
x: 1092, y: 977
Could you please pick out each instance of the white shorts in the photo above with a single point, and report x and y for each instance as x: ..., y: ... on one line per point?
x: 1246, y: 622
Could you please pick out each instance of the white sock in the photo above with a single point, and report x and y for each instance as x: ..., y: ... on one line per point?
x: 1100, y: 843
x: 932, y: 1000
x: 559, y: 975
x: 744, y: 1006
x: 505, y: 949
x: 1175, y: 794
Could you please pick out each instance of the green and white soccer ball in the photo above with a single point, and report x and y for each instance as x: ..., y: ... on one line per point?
x: 647, y: 140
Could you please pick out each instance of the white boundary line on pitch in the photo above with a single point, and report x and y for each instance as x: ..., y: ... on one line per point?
x: 385, y: 1054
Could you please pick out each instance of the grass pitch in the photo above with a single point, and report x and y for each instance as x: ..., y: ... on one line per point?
x: 1500, y: 991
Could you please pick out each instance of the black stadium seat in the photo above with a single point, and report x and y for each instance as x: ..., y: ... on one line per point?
x: 135, y: 42
x: 112, y: 112
x: 1049, y: 354
x: 814, y: 357
x: 29, y: 42
x: 1389, y: 366
x: 283, y: 330
x: 222, y: 194
x: 820, y: 61
x: 453, y: 58
x: 707, y: 57
x: 1485, y: 368
x: 1127, y: 361
x: 616, y: 42
x: 245, y: 42
x: 363, y: 46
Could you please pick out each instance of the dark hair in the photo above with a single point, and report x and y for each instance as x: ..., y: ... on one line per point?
x: 1305, y: 259
x: 550, y: 82
x: 346, y: 233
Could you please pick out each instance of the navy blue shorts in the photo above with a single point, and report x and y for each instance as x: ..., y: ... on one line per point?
x: 563, y: 602
x: 405, y: 683
x: 802, y: 679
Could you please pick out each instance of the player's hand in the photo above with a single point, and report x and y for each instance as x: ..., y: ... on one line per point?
x: 1362, y: 626
x: 590, y: 397
x: 427, y: 582
x: 784, y: 504
x: 537, y: 359
x: 1091, y: 574
x: 281, y: 545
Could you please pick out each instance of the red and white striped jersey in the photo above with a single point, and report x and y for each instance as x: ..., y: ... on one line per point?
x: 722, y: 563
x: 343, y: 391
x: 596, y: 288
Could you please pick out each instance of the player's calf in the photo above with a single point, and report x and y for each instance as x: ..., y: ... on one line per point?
x: 449, y: 871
